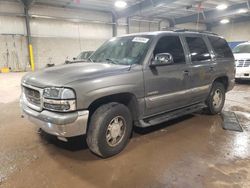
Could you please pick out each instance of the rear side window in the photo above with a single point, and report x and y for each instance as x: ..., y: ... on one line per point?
x: 172, y: 45
x: 198, y: 49
x: 221, y: 48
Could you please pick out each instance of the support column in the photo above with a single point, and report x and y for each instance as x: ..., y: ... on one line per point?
x: 114, y: 26
x: 128, y: 25
x: 30, y: 48
x: 209, y: 27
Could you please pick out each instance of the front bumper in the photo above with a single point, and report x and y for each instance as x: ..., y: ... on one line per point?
x: 243, y: 73
x: 62, y: 125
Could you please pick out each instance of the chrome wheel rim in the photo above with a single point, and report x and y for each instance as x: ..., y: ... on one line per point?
x: 115, y: 131
x: 217, y: 98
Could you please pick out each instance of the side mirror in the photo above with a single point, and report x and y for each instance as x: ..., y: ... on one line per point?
x: 67, y: 61
x: 162, y: 59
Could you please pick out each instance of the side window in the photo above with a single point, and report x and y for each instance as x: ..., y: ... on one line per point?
x: 220, y: 47
x: 171, y: 45
x: 198, y: 49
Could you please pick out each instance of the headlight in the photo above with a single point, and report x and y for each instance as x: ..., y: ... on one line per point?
x: 59, y: 99
x: 58, y: 93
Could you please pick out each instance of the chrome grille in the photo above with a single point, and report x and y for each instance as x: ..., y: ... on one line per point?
x: 32, y: 96
x: 243, y: 63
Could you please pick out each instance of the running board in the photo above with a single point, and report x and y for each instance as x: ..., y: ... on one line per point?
x: 171, y: 115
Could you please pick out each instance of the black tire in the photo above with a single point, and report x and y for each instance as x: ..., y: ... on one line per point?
x: 216, y: 88
x: 99, y: 125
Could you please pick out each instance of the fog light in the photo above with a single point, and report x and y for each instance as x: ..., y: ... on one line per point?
x: 59, y: 105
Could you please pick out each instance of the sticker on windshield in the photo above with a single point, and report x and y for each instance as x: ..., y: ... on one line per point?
x: 140, y: 39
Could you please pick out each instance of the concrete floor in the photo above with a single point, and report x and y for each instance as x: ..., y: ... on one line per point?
x: 193, y: 151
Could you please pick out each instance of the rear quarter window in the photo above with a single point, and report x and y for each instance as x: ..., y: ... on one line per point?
x: 220, y: 47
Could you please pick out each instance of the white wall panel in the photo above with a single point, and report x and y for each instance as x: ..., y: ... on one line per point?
x: 11, y: 7
x: 191, y: 26
x: 142, y: 26
x: 71, y: 13
x: 12, y: 25
x: 122, y: 27
x: 121, y: 30
x: 53, y: 28
x: 57, y: 50
x: 234, y: 31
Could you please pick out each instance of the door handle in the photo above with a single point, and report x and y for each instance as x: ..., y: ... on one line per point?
x: 211, y: 69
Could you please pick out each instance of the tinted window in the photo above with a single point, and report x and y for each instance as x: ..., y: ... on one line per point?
x: 172, y: 45
x: 198, y: 49
x: 220, y: 46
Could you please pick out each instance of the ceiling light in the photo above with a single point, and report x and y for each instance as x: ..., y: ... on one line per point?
x: 222, y: 7
x: 242, y: 11
x: 120, y: 4
x: 224, y: 21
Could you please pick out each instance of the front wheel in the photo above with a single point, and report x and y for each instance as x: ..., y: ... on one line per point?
x: 109, y: 129
x: 216, y: 99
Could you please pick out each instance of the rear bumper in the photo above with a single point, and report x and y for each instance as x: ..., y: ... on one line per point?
x: 59, y: 124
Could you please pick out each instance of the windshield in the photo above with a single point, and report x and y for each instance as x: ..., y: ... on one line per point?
x: 83, y: 55
x: 123, y: 50
x: 243, y: 48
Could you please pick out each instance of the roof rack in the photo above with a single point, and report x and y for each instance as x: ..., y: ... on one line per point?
x: 192, y: 30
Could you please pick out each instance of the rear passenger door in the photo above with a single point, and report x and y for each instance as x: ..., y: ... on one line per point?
x: 202, y: 67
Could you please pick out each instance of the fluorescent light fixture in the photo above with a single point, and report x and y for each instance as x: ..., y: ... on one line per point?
x: 242, y: 11
x: 222, y: 7
x: 224, y: 21
x: 120, y: 4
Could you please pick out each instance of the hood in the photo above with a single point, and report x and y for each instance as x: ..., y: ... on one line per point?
x: 62, y: 75
x: 241, y: 56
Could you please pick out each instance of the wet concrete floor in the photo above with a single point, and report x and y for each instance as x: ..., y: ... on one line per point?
x: 193, y: 151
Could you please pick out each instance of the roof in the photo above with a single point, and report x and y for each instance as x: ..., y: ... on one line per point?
x: 181, y: 31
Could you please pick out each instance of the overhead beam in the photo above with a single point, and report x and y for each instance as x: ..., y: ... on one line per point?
x: 213, y: 15
x: 142, y: 6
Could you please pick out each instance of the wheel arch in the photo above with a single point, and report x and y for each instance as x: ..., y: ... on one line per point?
x: 126, y: 98
x: 224, y: 80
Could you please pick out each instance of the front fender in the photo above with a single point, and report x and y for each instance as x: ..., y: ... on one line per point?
x: 112, y: 90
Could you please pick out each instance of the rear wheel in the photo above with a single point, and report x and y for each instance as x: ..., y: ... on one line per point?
x: 109, y: 129
x: 216, y: 99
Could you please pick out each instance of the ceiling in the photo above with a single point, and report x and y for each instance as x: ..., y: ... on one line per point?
x: 177, y: 11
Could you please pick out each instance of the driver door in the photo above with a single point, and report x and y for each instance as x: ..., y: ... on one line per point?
x: 166, y: 87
